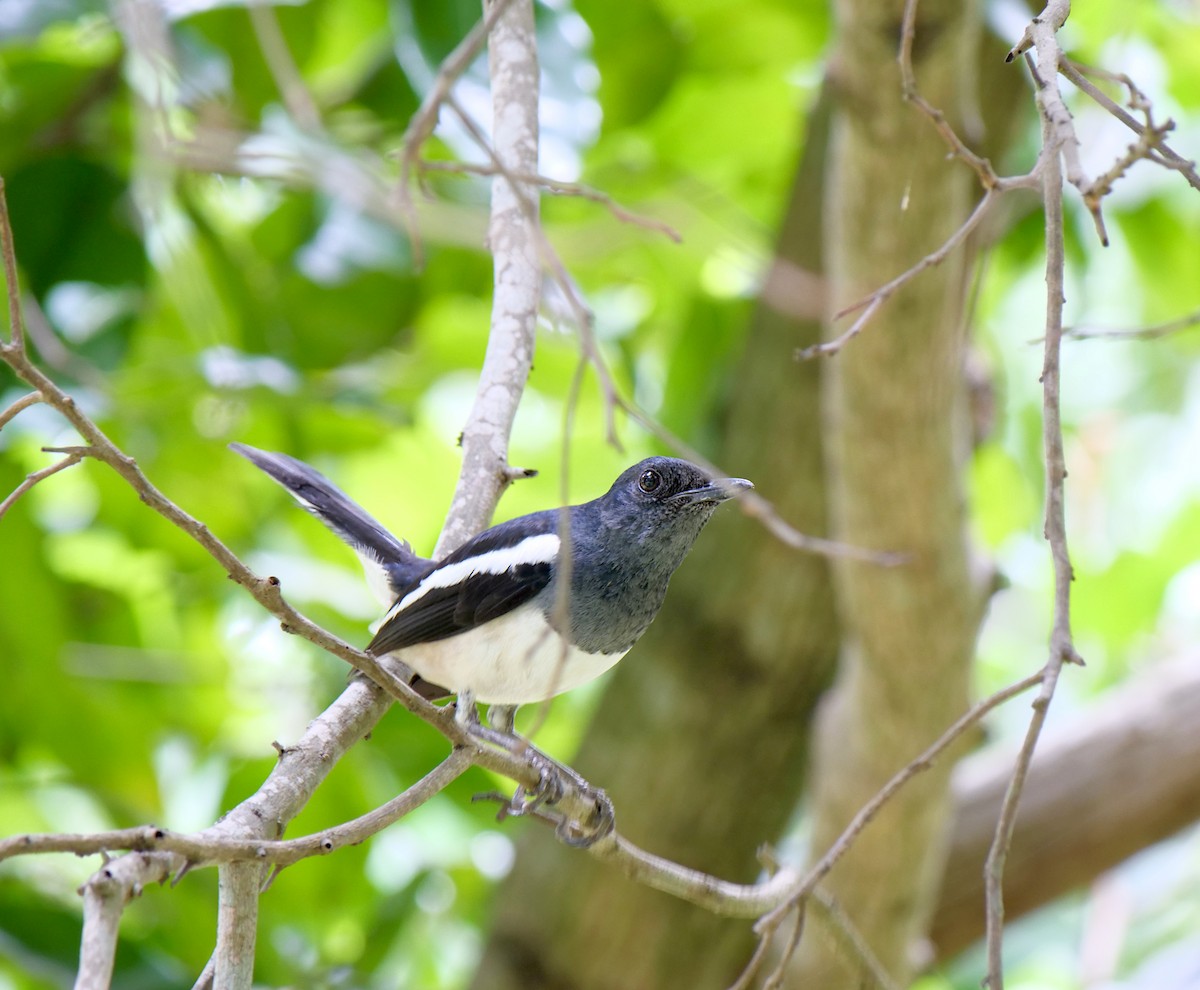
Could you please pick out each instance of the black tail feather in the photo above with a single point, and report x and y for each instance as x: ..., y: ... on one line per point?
x: 382, y: 554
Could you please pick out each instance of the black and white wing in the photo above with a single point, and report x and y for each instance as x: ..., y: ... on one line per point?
x: 487, y: 577
x: 390, y: 565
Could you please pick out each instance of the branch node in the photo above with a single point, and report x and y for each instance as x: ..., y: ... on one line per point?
x: 510, y: 473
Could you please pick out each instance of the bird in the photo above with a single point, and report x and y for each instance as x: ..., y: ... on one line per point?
x: 491, y: 621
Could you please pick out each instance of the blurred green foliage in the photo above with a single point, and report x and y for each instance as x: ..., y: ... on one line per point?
x: 265, y: 297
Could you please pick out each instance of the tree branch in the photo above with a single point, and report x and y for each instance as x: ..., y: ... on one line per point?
x: 769, y: 923
x: 871, y: 304
x: 1138, y: 333
x: 32, y: 399
x: 237, y: 925
x: 1088, y: 801
x: 105, y: 895
x: 424, y: 121
x: 220, y: 844
x: 1075, y: 72
x: 560, y: 188
x: 16, y: 326
x: 74, y: 457
x: 513, y: 237
x: 1059, y: 144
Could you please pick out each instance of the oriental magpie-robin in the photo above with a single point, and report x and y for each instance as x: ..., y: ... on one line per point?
x: 483, y: 621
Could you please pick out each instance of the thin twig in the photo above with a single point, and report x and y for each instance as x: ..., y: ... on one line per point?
x: 282, y: 66
x: 746, y: 977
x: 868, y: 812
x: 559, y: 188
x: 983, y: 167
x: 1062, y: 649
x: 1075, y: 72
x: 513, y: 234
x: 775, y: 979
x: 33, y: 479
x: 16, y: 327
x: 32, y: 399
x: 584, y: 319
x: 53, y: 352
x: 1138, y: 333
x: 422, y: 124
x: 851, y: 940
x: 216, y: 845
x: 871, y: 304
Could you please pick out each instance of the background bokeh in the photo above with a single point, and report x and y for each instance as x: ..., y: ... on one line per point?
x: 270, y: 297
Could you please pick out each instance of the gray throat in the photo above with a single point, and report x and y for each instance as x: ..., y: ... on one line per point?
x: 620, y: 578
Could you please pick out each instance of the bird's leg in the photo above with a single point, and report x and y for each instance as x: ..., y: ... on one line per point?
x: 465, y: 713
x: 503, y: 718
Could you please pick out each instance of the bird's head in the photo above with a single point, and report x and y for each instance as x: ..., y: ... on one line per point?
x: 666, y: 500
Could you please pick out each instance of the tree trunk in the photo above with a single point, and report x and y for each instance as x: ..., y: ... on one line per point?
x: 894, y: 418
x: 702, y: 735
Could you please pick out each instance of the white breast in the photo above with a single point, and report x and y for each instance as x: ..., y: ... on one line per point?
x: 512, y: 660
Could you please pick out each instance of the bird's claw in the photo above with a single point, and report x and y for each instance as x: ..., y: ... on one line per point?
x: 554, y: 782
x: 601, y: 822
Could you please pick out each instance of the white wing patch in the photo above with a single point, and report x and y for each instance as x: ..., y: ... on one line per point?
x: 541, y: 549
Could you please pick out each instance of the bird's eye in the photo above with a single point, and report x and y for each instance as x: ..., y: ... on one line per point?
x: 650, y: 481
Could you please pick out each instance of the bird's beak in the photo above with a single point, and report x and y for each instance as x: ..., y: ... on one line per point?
x: 717, y: 490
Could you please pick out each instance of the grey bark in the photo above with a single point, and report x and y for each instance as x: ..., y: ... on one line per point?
x: 894, y: 416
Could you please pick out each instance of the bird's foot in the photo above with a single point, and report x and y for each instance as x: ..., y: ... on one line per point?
x: 556, y: 781
x: 582, y: 833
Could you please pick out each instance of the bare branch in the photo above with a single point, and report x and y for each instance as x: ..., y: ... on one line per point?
x: 983, y: 167
x: 775, y: 980
x: 851, y: 941
x: 1138, y: 333
x: 757, y: 507
x: 871, y: 304
x: 923, y: 762
x: 584, y: 319
x: 1077, y: 73
x: 16, y: 328
x: 219, y: 844
x: 33, y: 479
x: 32, y: 399
x: 424, y: 121
x: 746, y: 977
x: 105, y: 895
x: 1062, y: 649
x: 513, y: 235
x: 282, y: 65
x: 237, y: 925
x: 559, y: 188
